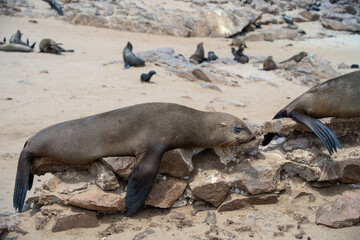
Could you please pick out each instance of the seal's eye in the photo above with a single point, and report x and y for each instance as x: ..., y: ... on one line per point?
x: 236, y: 129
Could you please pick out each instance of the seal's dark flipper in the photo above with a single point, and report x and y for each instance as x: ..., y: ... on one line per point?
x: 32, y: 46
x: 24, y: 180
x: 326, y: 136
x: 70, y: 50
x: 126, y: 66
x: 269, y: 136
x: 4, y: 39
x: 142, y: 180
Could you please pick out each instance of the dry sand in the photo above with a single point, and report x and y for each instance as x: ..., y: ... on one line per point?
x: 77, y: 84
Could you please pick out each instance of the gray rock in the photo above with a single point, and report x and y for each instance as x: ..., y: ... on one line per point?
x: 210, y: 218
x: 105, y: 178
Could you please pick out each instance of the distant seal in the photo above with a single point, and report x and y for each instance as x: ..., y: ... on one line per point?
x: 48, y: 45
x: 338, y: 97
x: 16, y: 38
x: 144, y: 130
x: 269, y: 64
x: 130, y: 59
x: 297, y: 58
x: 237, y: 42
x: 55, y: 5
x: 199, y: 54
x: 212, y: 56
x: 146, y: 77
x: 13, y: 47
x: 239, y: 55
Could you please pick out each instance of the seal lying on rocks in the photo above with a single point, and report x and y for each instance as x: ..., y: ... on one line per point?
x: 337, y: 97
x: 144, y: 130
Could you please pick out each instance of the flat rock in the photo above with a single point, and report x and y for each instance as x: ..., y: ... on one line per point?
x: 40, y: 166
x: 71, y: 220
x: 309, y: 15
x: 345, y: 171
x: 165, y: 193
x: 211, y: 186
x: 236, y: 201
x: 98, y: 200
x: 344, y: 212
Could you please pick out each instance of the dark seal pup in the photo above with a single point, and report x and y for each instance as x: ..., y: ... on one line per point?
x: 146, y: 77
x: 269, y: 64
x: 140, y: 130
x: 212, y: 56
x: 50, y: 46
x: 337, y: 97
x: 199, y: 54
x: 130, y: 59
x: 55, y: 5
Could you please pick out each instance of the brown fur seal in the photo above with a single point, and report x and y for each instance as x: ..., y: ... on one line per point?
x: 337, y: 97
x: 16, y: 38
x: 269, y: 64
x: 199, y: 54
x: 239, y: 55
x: 140, y: 130
x: 130, y: 59
x: 237, y: 42
x: 297, y: 58
x: 50, y: 46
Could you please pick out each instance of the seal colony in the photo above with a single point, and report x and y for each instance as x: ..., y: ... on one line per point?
x: 338, y: 97
x: 125, y: 132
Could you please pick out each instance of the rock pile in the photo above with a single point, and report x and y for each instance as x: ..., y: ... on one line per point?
x: 227, y: 179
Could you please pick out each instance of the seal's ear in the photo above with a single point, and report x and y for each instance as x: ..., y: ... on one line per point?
x: 142, y: 179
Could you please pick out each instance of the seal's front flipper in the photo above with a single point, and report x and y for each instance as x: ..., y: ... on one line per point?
x: 24, y: 180
x: 269, y: 136
x: 142, y: 180
x: 326, y: 136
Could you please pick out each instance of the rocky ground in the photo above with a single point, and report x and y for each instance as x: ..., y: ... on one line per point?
x: 290, y: 189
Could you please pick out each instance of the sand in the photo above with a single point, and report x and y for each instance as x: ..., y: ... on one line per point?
x: 78, y: 84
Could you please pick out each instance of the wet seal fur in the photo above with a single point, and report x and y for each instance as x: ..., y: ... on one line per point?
x: 145, y: 77
x: 126, y: 132
x: 130, y: 59
x: 48, y: 45
x: 338, y: 97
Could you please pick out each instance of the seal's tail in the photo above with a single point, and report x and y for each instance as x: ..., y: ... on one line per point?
x: 24, y: 179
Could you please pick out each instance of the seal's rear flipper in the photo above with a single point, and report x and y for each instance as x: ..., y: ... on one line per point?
x: 32, y: 46
x: 24, y: 179
x: 326, y: 136
x: 142, y: 180
x: 70, y: 50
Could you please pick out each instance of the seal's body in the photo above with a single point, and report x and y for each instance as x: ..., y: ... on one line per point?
x: 337, y: 97
x: 130, y: 59
x: 50, y: 46
x: 212, y: 56
x: 145, y: 77
x: 239, y: 55
x: 13, y: 47
x: 16, y: 39
x: 269, y: 64
x: 141, y: 130
x: 297, y: 58
x: 199, y: 54
x: 55, y: 5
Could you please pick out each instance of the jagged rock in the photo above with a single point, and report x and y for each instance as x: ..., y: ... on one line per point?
x: 73, y: 188
x: 74, y: 219
x: 177, y: 163
x: 122, y: 166
x: 344, y: 212
x: 143, y: 234
x: 46, y: 199
x: 164, y: 193
x: 211, y: 186
x: 310, y: 15
x: 51, y: 184
x: 53, y: 210
x: 274, y: 34
x: 210, y: 218
x: 256, y: 177
x: 236, y: 201
x: 40, y: 222
x: 345, y: 171
x: 297, y: 193
x: 267, y: 18
x: 98, y: 200
x: 105, y: 178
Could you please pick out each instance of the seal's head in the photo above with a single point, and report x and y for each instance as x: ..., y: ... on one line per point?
x: 129, y: 46
x: 228, y: 130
